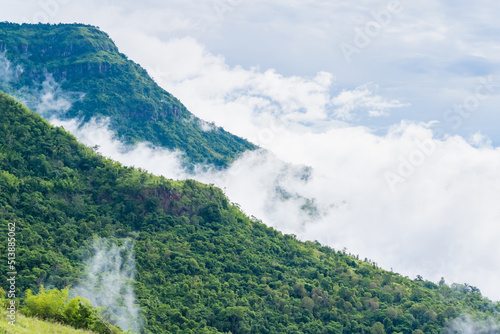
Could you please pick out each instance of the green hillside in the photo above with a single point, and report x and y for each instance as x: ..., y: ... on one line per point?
x: 202, y: 265
x: 99, y: 81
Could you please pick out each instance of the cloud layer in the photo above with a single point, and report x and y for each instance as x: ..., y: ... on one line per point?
x: 437, y: 220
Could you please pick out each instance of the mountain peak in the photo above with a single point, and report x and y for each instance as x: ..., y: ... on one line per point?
x: 84, y: 61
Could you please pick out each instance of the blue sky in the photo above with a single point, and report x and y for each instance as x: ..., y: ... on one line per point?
x: 427, y: 54
x: 401, y: 134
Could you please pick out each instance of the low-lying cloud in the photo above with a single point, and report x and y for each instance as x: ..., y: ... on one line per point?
x: 45, y: 96
x: 440, y: 221
x: 50, y: 99
x: 466, y: 325
x: 6, y: 70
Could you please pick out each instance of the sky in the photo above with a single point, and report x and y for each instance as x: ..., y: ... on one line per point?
x: 378, y: 118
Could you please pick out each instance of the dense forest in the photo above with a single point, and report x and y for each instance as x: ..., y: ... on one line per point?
x: 83, y: 67
x: 202, y: 265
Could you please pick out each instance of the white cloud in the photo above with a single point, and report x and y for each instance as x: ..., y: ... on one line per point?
x: 52, y: 98
x: 362, y: 98
x: 466, y: 325
x: 46, y: 97
x: 206, y: 126
x: 246, y: 101
x: 480, y: 141
x: 155, y: 160
x: 6, y: 71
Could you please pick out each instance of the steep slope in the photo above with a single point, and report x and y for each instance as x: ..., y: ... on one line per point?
x: 76, y: 71
x: 202, y: 265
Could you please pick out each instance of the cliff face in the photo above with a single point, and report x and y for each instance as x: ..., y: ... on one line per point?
x: 58, y: 48
x: 84, y: 60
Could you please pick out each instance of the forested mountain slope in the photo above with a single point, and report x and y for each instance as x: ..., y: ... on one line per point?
x: 76, y: 71
x: 202, y: 265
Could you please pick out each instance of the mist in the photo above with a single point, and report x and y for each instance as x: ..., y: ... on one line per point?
x: 107, y: 282
x: 44, y: 96
x: 466, y: 325
x: 6, y: 71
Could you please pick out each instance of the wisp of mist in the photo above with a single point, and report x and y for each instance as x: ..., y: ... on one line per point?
x: 107, y: 282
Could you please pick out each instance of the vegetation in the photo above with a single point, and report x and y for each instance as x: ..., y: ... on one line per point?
x: 101, y: 82
x: 55, y: 308
x: 55, y: 305
x: 202, y: 265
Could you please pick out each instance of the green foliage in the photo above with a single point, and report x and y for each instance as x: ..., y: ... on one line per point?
x: 47, y: 305
x: 55, y: 305
x: 102, y: 82
x: 202, y: 265
x: 28, y: 325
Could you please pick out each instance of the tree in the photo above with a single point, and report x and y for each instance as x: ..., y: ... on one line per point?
x: 236, y: 316
x: 378, y: 328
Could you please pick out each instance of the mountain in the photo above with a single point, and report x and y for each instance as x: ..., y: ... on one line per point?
x: 76, y: 71
x: 202, y: 266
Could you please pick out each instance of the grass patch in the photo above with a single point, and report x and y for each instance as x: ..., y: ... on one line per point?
x: 33, y: 325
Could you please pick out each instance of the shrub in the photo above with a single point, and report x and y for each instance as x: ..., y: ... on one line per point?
x: 55, y: 305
